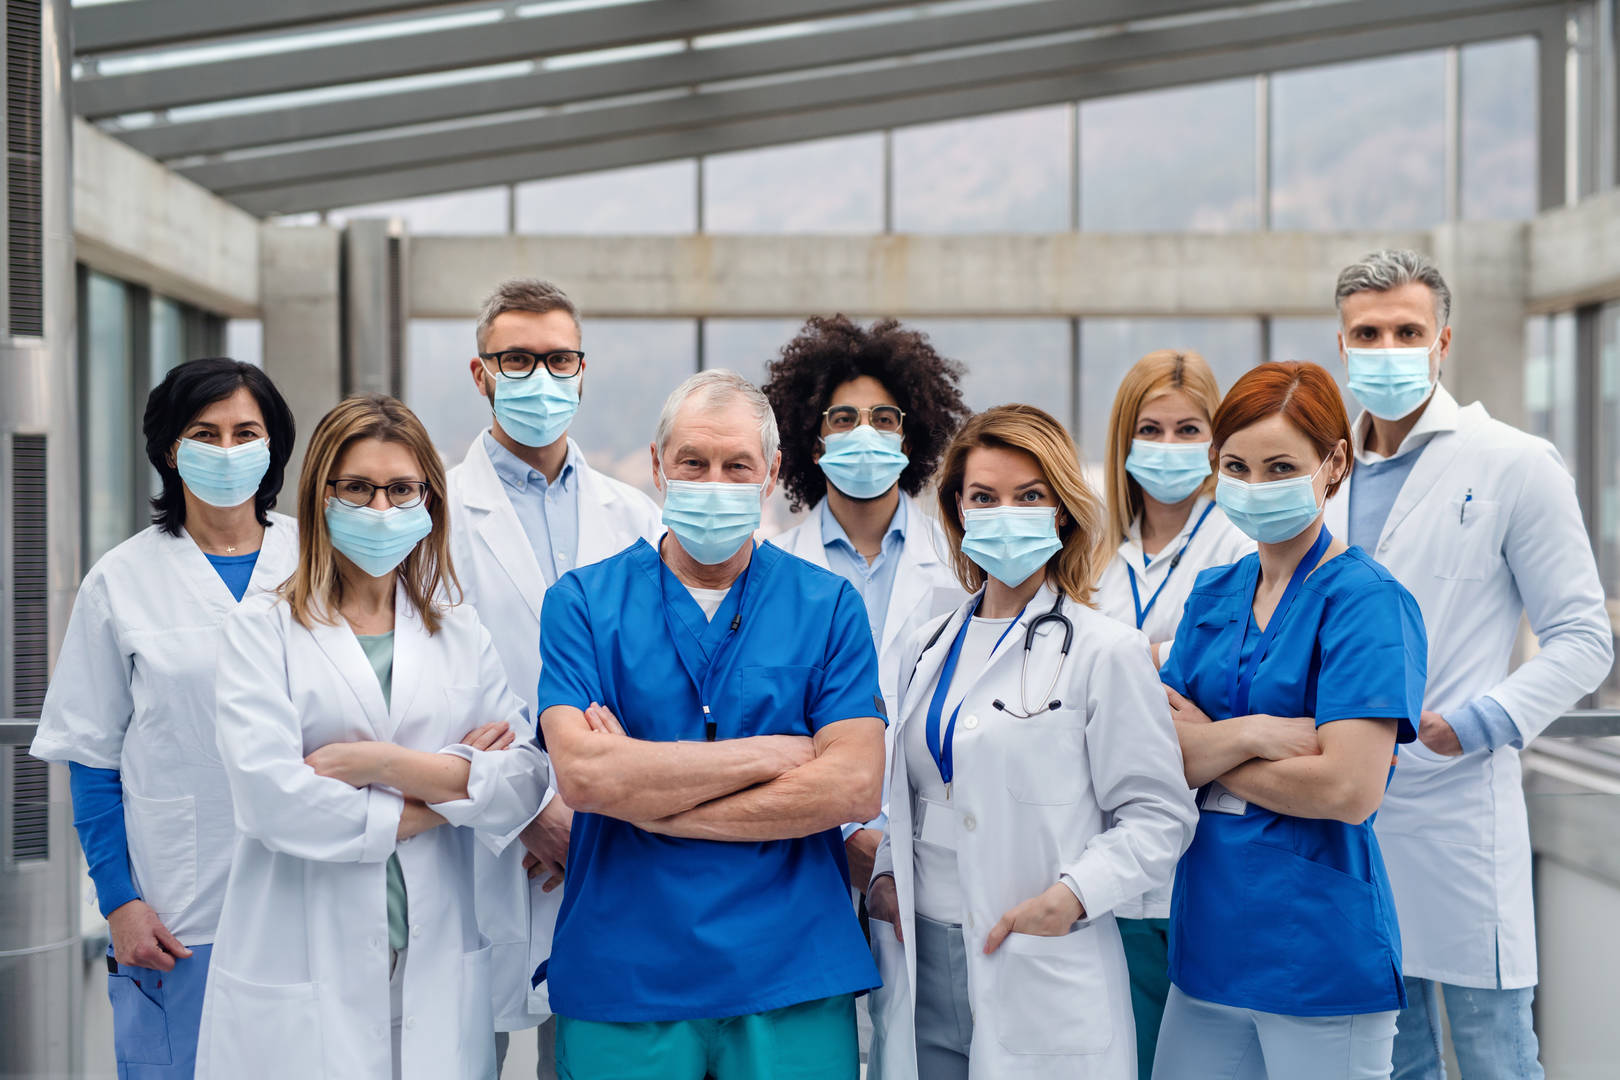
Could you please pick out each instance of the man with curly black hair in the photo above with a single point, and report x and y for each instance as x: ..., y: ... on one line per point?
x: 865, y: 414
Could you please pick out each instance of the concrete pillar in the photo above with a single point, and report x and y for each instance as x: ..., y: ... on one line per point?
x: 373, y: 306
x: 1486, y: 264
x: 300, y: 308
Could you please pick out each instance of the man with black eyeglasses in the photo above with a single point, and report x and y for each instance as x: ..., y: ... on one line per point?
x: 526, y: 508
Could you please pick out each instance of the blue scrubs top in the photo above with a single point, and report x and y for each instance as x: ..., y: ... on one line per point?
x: 1284, y: 914
x: 656, y: 928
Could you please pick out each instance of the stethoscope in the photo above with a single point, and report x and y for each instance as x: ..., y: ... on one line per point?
x: 940, y: 744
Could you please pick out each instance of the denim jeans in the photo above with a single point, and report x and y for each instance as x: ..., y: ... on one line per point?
x: 1491, y: 1030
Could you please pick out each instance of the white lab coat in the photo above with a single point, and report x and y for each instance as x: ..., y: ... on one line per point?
x: 1218, y: 543
x: 925, y: 587
x: 1453, y: 831
x: 134, y: 691
x: 298, y: 984
x: 501, y: 580
x: 1094, y: 790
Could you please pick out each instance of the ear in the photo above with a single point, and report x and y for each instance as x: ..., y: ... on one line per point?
x: 479, y: 377
x: 1344, y: 356
x: 776, y: 469
x: 657, y: 469
x: 1443, y: 351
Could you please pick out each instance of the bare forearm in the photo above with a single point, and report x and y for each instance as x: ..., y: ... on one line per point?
x: 635, y: 780
x: 1306, y: 787
x: 419, y: 774
x: 1211, y: 750
x: 810, y: 799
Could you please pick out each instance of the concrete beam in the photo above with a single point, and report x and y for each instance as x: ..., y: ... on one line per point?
x: 303, y: 337
x: 137, y: 220
x: 1065, y: 274
x: 1574, y: 254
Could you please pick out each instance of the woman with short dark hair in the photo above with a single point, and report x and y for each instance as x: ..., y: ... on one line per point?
x: 131, y: 707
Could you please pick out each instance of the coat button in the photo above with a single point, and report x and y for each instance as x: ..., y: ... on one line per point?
x: 969, y: 823
x: 410, y: 1022
x: 971, y: 722
x: 376, y: 943
x: 416, y: 931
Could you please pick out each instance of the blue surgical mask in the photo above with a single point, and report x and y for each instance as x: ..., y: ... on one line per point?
x: 711, y: 520
x: 863, y: 463
x: 1390, y: 383
x: 1269, y: 513
x: 376, y: 541
x: 536, y: 411
x: 223, y: 476
x: 1169, y: 472
x: 1010, y: 542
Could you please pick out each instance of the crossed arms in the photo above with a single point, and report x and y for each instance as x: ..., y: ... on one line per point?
x: 764, y: 787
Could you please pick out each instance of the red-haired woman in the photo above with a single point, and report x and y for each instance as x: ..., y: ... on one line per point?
x: 1309, y: 658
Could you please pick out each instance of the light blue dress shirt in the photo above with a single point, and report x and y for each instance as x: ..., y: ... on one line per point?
x: 875, y: 581
x: 548, y: 512
x: 1481, y: 724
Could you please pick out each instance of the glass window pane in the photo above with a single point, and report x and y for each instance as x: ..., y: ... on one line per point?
x: 1108, y: 348
x: 482, y: 211
x: 1179, y: 159
x: 1499, y: 129
x: 632, y: 364
x: 826, y: 186
x: 1002, y: 173
x: 168, y: 340
x: 658, y: 198
x: 1608, y: 463
x: 1359, y: 145
x: 110, y: 440
x: 244, y: 341
x: 1010, y: 360
x: 1549, y: 382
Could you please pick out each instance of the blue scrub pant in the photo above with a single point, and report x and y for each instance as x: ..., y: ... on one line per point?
x: 1201, y: 1040
x: 1147, y: 957
x: 156, y: 1015
x: 1493, y: 1032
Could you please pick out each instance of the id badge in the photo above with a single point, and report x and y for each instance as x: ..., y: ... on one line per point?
x: 936, y: 824
x: 1219, y: 800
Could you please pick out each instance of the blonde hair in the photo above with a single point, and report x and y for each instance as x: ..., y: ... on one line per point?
x: 315, y: 590
x: 1075, y: 566
x: 1159, y: 372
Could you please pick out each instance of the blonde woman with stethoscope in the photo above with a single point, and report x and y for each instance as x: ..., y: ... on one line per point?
x: 1042, y: 786
x: 1163, y: 529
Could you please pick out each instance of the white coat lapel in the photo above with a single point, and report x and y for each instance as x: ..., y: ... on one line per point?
x: 1436, y: 462
x: 804, y: 540
x: 498, y: 527
x: 912, y: 578
x: 198, y: 574
x: 411, y: 648
x: 599, y: 534
x: 931, y: 661
x: 344, y: 653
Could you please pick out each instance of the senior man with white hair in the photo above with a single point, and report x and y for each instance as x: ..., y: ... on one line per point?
x: 713, y: 715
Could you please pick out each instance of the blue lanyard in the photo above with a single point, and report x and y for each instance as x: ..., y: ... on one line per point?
x: 1136, y: 597
x: 702, y: 685
x: 1243, y: 681
x: 942, y: 688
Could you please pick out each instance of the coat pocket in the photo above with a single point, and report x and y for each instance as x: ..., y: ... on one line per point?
x: 1052, y: 994
x: 891, y: 1006
x: 162, y: 836
x: 1464, y: 543
x: 477, y: 1016
x: 140, y: 1022
x: 260, y: 1030
x: 1043, y: 756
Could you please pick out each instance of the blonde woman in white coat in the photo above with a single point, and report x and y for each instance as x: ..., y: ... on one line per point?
x: 1163, y: 529
x: 1036, y: 785
x: 359, y: 720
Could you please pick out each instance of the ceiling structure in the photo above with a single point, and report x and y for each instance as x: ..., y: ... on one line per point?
x: 300, y: 105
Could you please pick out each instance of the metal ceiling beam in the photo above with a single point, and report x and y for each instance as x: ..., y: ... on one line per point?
x: 723, y: 135
x: 441, y: 50
x: 146, y: 24
x: 474, y: 141
x: 548, y: 88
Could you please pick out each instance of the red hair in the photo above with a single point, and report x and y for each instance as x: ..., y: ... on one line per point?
x: 1304, y: 393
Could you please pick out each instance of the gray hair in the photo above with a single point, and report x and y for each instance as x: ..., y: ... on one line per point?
x: 523, y: 294
x: 1389, y: 269
x: 712, y: 389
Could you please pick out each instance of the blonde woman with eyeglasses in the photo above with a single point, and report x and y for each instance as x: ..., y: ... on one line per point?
x: 366, y: 731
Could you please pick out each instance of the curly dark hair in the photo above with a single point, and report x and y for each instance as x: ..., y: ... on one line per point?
x: 829, y: 352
